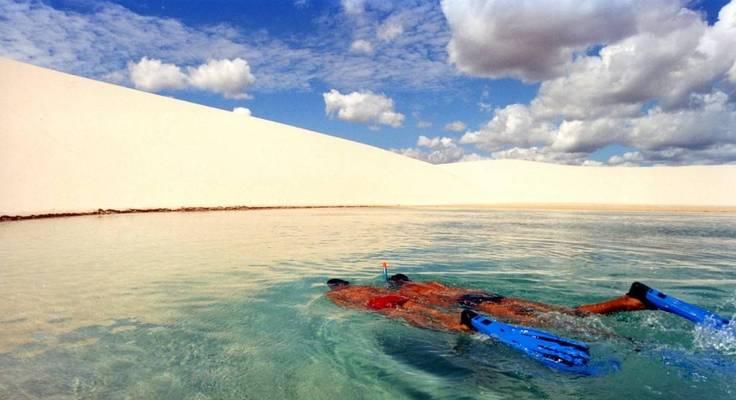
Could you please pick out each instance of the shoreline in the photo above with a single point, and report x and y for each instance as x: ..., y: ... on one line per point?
x: 112, y: 211
x: 506, y: 206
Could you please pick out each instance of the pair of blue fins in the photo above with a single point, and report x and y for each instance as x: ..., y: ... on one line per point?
x: 571, y: 355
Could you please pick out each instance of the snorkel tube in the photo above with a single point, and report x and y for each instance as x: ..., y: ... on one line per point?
x: 385, y: 271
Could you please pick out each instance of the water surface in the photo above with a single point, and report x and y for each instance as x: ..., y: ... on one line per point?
x: 225, y: 305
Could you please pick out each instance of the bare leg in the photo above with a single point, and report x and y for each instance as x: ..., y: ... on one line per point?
x: 522, y: 311
x: 619, y: 304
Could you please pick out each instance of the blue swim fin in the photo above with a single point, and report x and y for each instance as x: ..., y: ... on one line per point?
x: 656, y: 300
x: 554, y: 351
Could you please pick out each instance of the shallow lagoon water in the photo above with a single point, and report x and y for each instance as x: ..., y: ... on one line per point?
x: 230, y: 304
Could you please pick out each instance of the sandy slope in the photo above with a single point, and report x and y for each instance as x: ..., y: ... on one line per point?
x: 73, y: 144
x: 511, y: 182
x: 69, y: 144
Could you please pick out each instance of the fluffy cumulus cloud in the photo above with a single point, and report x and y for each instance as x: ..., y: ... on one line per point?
x: 659, y: 84
x: 364, y: 107
x: 674, y: 56
x: 242, y: 111
x: 532, y: 40
x: 455, y: 126
x: 511, y: 126
x: 438, y: 150
x: 154, y: 75
x: 711, y: 123
x: 704, y: 133
x: 229, y: 78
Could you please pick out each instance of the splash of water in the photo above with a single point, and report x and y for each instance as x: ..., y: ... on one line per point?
x: 723, y: 340
x: 708, y: 337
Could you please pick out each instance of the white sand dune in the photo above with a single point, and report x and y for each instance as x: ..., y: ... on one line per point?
x: 513, y: 182
x: 70, y: 144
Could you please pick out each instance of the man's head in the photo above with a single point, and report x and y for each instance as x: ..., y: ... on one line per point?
x: 336, y: 283
x: 397, y: 280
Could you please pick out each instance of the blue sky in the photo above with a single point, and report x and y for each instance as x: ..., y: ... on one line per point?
x: 576, y: 82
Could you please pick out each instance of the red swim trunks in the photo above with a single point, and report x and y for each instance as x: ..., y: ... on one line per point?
x: 388, y: 301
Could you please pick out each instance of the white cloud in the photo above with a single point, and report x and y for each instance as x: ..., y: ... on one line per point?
x: 227, y: 77
x: 455, y: 126
x: 439, y: 150
x: 154, y: 75
x: 704, y: 133
x: 628, y: 159
x: 242, y: 111
x: 414, y: 59
x: 104, y: 37
x: 534, y: 40
x: 435, y: 142
x: 712, y: 122
x: 667, y: 63
x: 592, y: 163
x: 365, y: 107
x: 513, y: 125
x: 361, y: 46
x: 361, y: 8
x: 390, y: 29
x: 540, y: 154
x: 716, y: 154
x: 661, y: 90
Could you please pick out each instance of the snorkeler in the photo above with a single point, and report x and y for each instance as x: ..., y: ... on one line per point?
x: 435, y: 305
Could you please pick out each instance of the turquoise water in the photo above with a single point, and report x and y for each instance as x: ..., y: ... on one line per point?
x: 230, y: 304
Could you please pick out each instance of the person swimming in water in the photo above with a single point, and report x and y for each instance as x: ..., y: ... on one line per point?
x: 436, y: 306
